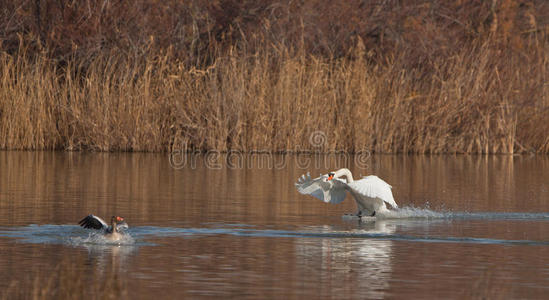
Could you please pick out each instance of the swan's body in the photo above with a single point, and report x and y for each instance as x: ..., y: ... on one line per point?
x: 111, y: 232
x: 370, y: 193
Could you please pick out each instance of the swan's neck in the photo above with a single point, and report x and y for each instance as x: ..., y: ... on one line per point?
x: 346, y: 173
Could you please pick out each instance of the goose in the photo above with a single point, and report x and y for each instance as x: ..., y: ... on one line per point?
x: 371, y: 193
x: 111, y: 232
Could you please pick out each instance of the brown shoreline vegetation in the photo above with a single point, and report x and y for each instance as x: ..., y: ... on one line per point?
x: 381, y: 76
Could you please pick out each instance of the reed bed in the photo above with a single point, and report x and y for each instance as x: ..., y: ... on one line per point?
x: 487, y: 94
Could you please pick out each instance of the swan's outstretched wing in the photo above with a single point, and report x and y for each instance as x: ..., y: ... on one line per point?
x: 94, y: 222
x: 374, y: 187
x: 332, y: 191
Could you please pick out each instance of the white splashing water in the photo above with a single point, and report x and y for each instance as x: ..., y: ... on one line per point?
x: 101, y: 239
x: 409, y: 212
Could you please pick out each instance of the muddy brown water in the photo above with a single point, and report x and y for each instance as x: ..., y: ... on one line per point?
x: 234, y: 226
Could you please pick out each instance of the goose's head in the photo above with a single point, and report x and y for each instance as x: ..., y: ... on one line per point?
x: 119, y: 223
x: 117, y: 219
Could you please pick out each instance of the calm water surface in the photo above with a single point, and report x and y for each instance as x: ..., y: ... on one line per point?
x: 469, y: 226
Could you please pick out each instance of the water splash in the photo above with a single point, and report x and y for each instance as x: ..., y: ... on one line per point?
x: 411, y: 212
x: 61, y: 234
x: 95, y: 238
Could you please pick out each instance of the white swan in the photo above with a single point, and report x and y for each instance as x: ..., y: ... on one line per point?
x: 370, y: 193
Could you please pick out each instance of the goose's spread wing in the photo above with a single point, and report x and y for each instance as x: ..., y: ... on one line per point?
x: 332, y: 191
x: 374, y: 187
x: 94, y: 222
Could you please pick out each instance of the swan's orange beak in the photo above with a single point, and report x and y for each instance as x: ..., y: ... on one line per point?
x: 330, y: 177
x: 119, y: 219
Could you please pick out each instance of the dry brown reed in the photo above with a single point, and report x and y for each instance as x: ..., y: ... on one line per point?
x: 486, y: 93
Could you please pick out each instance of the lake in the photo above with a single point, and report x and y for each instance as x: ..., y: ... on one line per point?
x: 233, y: 225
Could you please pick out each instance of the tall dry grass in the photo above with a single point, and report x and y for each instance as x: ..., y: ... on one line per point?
x: 486, y: 92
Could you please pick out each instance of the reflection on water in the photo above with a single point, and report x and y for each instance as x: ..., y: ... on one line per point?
x: 365, y: 263
x: 113, y: 258
x: 469, y: 226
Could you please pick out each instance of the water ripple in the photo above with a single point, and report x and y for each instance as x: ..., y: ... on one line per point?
x: 74, y: 235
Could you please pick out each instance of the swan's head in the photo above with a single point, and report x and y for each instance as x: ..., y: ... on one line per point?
x: 330, y: 176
